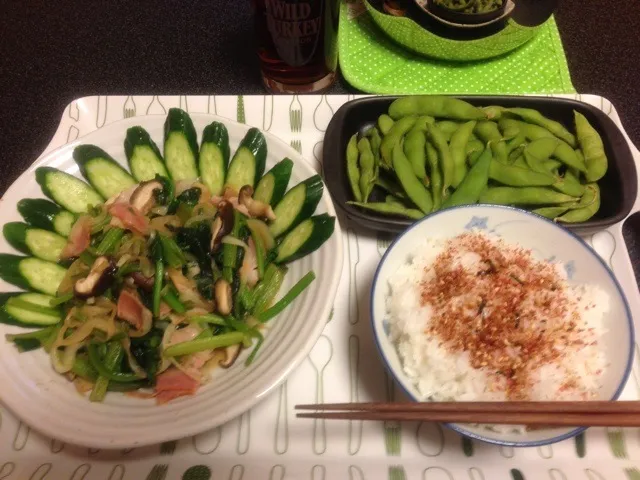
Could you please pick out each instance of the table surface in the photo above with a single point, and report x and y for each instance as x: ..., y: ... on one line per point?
x: 59, y: 51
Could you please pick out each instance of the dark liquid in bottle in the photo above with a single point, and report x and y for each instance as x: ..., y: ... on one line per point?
x: 297, y: 43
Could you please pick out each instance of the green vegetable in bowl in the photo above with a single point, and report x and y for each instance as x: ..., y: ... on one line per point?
x: 471, y: 6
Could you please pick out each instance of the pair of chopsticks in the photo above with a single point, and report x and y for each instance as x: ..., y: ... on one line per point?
x: 577, y: 414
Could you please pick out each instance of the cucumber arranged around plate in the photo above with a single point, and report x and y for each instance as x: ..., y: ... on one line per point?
x: 145, y: 279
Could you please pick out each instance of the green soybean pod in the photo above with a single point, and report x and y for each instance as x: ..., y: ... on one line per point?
x: 489, y: 132
x: 375, y: 140
x: 567, y: 155
x: 551, y: 165
x: 414, y: 145
x: 367, y: 168
x: 494, y: 112
x: 436, y: 137
x: 435, y: 175
x: 448, y: 128
x: 516, y: 176
x: 551, y: 212
x: 435, y: 106
x: 385, y: 122
x: 524, y: 196
x: 353, y: 170
x: 570, y: 185
x: 543, y: 148
x: 390, y: 209
x: 458, y: 148
x: 473, y: 184
x: 393, y: 136
x: 587, y: 207
x: 592, y: 148
x: 394, y: 200
x: 516, y: 142
x: 530, y: 115
x: 415, y: 190
x: 390, y: 186
x: 530, y: 131
x: 520, y: 162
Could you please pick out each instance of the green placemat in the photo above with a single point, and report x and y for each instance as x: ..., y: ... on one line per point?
x: 372, y: 62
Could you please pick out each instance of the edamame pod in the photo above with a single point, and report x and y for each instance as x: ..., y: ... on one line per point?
x: 570, y: 185
x: 438, y: 140
x: 524, y: 196
x: 448, y: 128
x: 473, y: 184
x: 385, y: 122
x: 458, y: 146
x: 399, y: 129
x: 435, y: 175
x: 510, y: 128
x: 391, y: 186
x: 542, y: 148
x: 516, y: 176
x: 489, y: 132
x: 394, y: 200
x: 418, y: 194
x: 435, y: 106
x: 368, y: 172
x: 551, y: 212
x: 414, y: 145
x: 353, y: 170
x: 390, y: 209
x: 567, y: 155
x: 375, y: 140
x: 587, y: 207
x: 592, y: 148
x: 494, y: 112
x: 530, y: 115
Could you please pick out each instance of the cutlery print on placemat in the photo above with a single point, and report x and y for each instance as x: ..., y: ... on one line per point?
x: 319, y: 358
x: 436, y: 473
x: 101, y: 111
x: 41, y: 472
x: 396, y: 472
x: 156, y: 107
x: 240, y: 113
x: 507, y: 452
x: 297, y: 145
x: 318, y: 472
x: 237, y: 472
x: 354, y: 259
x: 392, y: 429
x: 322, y: 114
x: 383, y: 240
x: 355, y: 426
x: 56, y: 446
x: 277, y: 472
x: 117, y: 472
x: 207, y: 442
x: 636, y: 368
x: 467, y: 446
x: 429, y: 439
x: 211, y: 105
x: 580, y: 442
x: 476, y: 474
x: 21, y: 437
x: 593, y: 474
x: 615, y: 437
x: 184, y: 105
x: 167, y: 448
x: 295, y: 115
x: 545, y: 451
x: 632, y: 473
x: 74, y: 111
x: 555, y: 474
x: 158, y: 472
x: 6, y: 470
x: 197, y: 472
x: 244, y: 433
x: 129, y: 107
x: 281, y: 436
x: 317, y: 155
x: 267, y: 112
x: 80, y: 472
x: 355, y: 473
x: 516, y: 474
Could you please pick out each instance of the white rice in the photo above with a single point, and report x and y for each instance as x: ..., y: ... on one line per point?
x: 441, y: 374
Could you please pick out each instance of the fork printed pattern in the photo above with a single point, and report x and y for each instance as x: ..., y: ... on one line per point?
x: 396, y: 472
x: 158, y: 472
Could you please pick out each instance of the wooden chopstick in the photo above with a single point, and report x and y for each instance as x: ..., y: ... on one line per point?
x: 594, y: 414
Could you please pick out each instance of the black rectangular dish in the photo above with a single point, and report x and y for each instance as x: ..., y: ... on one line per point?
x: 619, y: 187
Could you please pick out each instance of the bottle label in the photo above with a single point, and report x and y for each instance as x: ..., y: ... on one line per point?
x: 295, y: 29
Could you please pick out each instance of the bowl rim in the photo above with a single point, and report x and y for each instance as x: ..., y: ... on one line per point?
x: 453, y: 426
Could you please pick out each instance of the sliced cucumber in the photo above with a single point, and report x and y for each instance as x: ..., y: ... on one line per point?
x: 42, y: 213
x: 180, y: 145
x: 305, y: 238
x: 31, y: 273
x: 28, y: 309
x: 35, y: 241
x: 247, y: 164
x: 272, y: 187
x: 143, y: 155
x: 66, y: 190
x: 298, y: 204
x: 214, y: 157
x: 103, y: 172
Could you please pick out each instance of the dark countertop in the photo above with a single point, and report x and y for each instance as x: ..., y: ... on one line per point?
x: 53, y: 52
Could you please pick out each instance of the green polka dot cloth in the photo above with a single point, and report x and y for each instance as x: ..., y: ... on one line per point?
x: 371, y: 61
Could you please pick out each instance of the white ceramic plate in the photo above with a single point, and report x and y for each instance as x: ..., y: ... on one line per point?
x: 547, y: 240
x: 49, y: 403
